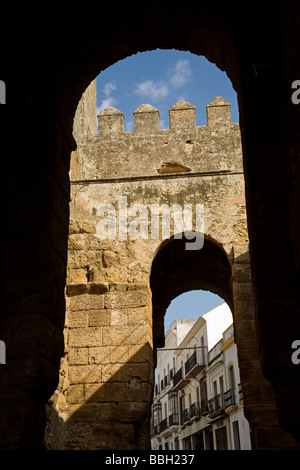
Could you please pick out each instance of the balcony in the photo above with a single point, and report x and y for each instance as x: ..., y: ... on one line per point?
x: 163, y: 425
x: 216, y: 405
x: 155, y: 430
x: 172, y: 420
x: 240, y: 392
x: 164, y: 382
x: 194, y: 364
x: 179, y: 381
x: 194, y: 413
x: 229, y: 398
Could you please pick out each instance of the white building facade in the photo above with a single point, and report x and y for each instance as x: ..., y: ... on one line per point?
x: 198, y: 400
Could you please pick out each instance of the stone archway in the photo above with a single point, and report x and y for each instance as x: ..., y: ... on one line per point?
x: 175, y: 271
x: 259, y: 54
x: 111, y: 324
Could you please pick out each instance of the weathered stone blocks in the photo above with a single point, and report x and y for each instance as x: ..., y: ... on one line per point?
x: 109, y: 361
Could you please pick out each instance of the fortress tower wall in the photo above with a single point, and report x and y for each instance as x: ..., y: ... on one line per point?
x: 106, y: 381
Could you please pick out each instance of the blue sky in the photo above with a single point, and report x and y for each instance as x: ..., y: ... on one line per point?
x: 192, y: 304
x: 161, y: 78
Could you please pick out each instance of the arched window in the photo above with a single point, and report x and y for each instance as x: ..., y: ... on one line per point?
x: 231, y: 382
x: 231, y: 376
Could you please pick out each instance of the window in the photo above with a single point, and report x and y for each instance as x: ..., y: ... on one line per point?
x: 236, y: 435
x: 199, y: 441
x: 222, y: 390
x: 202, y: 350
x: 231, y: 377
x: 203, y: 392
x: 232, y: 382
x: 156, y: 413
x: 182, y: 408
x: 197, y: 395
x: 221, y: 438
x: 176, y: 442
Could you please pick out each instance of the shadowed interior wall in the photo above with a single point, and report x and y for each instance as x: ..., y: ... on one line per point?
x: 112, y: 326
x: 258, y: 47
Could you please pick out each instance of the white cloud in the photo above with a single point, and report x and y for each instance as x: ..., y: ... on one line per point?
x: 108, y: 88
x: 156, y: 90
x: 109, y: 101
x: 182, y: 73
x: 153, y: 90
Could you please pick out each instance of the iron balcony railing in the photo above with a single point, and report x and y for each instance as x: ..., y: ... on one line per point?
x: 185, y: 416
x: 165, y: 381
x: 177, y: 377
x: 229, y: 398
x: 240, y: 392
x: 191, y: 368
x: 194, y: 412
x: 179, y: 381
x: 216, y: 404
x: 195, y: 363
x: 172, y: 420
x: 155, y: 430
x: 163, y: 425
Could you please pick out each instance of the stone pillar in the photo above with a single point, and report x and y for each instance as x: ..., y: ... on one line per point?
x: 218, y: 112
x: 182, y: 117
x: 106, y: 379
x: 146, y: 119
x: 259, y: 397
x: 33, y: 305
x: 2, y: 92
x: 109, y: 367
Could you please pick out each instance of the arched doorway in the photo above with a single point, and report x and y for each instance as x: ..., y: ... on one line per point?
x: 175, y: 271
x: 111, y: 268
x: 259, y: 70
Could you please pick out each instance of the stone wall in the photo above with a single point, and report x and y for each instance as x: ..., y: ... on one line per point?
x: 115, y: 298
x: 36, y: 190
x: 107, y: 372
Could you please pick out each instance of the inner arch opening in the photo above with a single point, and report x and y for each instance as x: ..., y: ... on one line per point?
x: 176, y: 270
x: 197, y: 376
x: 191, y: 305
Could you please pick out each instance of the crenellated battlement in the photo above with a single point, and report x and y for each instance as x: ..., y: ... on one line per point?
x: 182, y: 117
x: 149, y: 151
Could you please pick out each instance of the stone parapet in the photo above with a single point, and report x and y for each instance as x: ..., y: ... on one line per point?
x: 182, y: 117
x: 149, y: 151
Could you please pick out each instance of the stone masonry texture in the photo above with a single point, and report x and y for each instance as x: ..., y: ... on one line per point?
x: 111, y: 326
x: 259, y: 52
